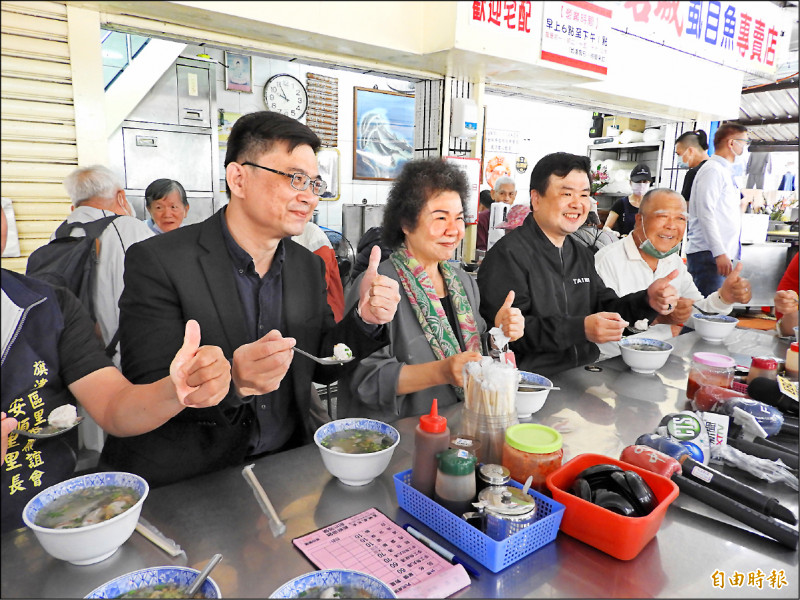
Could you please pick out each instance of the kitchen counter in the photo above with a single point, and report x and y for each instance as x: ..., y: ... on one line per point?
x: 600, y: 412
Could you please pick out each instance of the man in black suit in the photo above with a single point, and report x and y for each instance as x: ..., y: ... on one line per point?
x: 255, y: 294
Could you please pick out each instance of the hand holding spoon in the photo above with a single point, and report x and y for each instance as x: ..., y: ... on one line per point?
x: 331, y: 360
x: 47, y: 431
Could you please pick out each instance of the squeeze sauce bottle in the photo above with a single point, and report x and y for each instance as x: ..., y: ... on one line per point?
x: 431, y: 437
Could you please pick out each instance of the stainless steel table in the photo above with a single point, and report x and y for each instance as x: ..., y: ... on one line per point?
x: 602, y: 411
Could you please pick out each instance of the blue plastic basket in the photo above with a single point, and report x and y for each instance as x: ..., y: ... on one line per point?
x: 492, y: 554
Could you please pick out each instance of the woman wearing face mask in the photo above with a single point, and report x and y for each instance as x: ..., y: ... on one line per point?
x: 629, y: 206
x: 692, y: 151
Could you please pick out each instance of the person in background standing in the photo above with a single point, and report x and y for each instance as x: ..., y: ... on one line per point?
x: 627, y: 207
x: 166, y: 202
x: 485, y: 212
x: 692, y: 151
x: 715, y: 212
x: 97, y: 192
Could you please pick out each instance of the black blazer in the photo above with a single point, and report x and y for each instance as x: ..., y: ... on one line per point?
x: 188, y: 274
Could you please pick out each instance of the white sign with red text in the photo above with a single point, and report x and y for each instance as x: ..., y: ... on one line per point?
x: 575, y: 34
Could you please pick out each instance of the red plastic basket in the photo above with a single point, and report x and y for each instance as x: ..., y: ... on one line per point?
x: 621, y: 537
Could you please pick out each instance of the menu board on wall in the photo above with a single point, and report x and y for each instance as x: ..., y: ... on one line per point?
x: 322, y: 115
x: 471, y: 167
x: 575, y: 34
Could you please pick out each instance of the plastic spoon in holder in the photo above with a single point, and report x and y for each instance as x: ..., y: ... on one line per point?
x: 47, y: 431
x: 203, y: 575
x: 323, y: 361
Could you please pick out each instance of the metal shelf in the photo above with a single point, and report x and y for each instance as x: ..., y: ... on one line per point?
x: 613, y: 146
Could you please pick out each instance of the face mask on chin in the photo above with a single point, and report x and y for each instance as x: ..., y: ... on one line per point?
x: 648, y: 248
x: 682, y: 165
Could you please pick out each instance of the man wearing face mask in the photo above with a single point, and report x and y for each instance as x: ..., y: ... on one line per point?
x: 622, y: 215
x: 651, y: 251
x: 715, y: 213
x: 692, y: 151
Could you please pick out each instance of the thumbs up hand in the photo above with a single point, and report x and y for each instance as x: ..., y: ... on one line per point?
x: 736, y: 289
x: 379, y: 294
x: 201, y: 375
x: 510, y: 319
x: 662, y: 296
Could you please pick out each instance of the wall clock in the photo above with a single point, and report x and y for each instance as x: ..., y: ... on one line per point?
x: 287, y: 95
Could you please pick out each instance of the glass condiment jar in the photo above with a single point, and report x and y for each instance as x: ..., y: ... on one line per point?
x: 492, y: 475
x: 465, y: 442
x: 709, y: 368
x: 791, y: 361
x: 534, y: 450
x: 763, y: 367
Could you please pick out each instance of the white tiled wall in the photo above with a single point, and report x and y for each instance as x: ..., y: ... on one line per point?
x: 329, y: 212
x: 544, y: 128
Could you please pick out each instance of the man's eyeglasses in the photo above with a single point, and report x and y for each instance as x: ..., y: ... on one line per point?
x: 746, y: 142
x: 299, y: 181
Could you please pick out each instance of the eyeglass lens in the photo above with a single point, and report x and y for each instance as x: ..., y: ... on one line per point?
x: 301, y: 181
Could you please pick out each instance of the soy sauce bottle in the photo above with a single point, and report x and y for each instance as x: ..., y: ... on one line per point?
x: 431, y: 437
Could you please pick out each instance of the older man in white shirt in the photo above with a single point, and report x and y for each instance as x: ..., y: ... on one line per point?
x: 96, y: 192
x: 715, y: 213
x: 650, y: 252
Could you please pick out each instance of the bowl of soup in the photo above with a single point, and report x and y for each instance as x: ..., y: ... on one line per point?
x: 529, y: 401
x: 644, y: 355
x: 356, y: 450
x: 156, y: 582
x: 85, y: 519
x: 714, y: 328
x: 334, y: 583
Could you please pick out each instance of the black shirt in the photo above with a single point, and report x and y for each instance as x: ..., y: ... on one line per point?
x: 447, y: 305
x: 688, y: 180
x: 627, y: 215
x: 262, y: 307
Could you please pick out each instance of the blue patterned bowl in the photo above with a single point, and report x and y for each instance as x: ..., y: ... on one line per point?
x: 529, y: 402
x: 182, y: 576
x: 374, y: 587
x: 356, y: 469
x: 714, y: 328
x: 644, y: 355
x: 92, y: 543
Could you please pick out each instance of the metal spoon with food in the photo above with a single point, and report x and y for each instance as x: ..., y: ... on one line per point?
x: 60, y: 420
x: 341, y: 355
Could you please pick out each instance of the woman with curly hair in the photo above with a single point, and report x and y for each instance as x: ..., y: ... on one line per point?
x: 437, y: 327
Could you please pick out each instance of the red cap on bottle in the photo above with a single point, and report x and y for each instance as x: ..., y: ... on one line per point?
x: 793, y: 346
x: 433, y: 423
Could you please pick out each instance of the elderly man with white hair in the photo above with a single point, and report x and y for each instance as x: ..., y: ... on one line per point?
x: 650, y: 252
x: 505, y: 190
x: 97, y: 192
